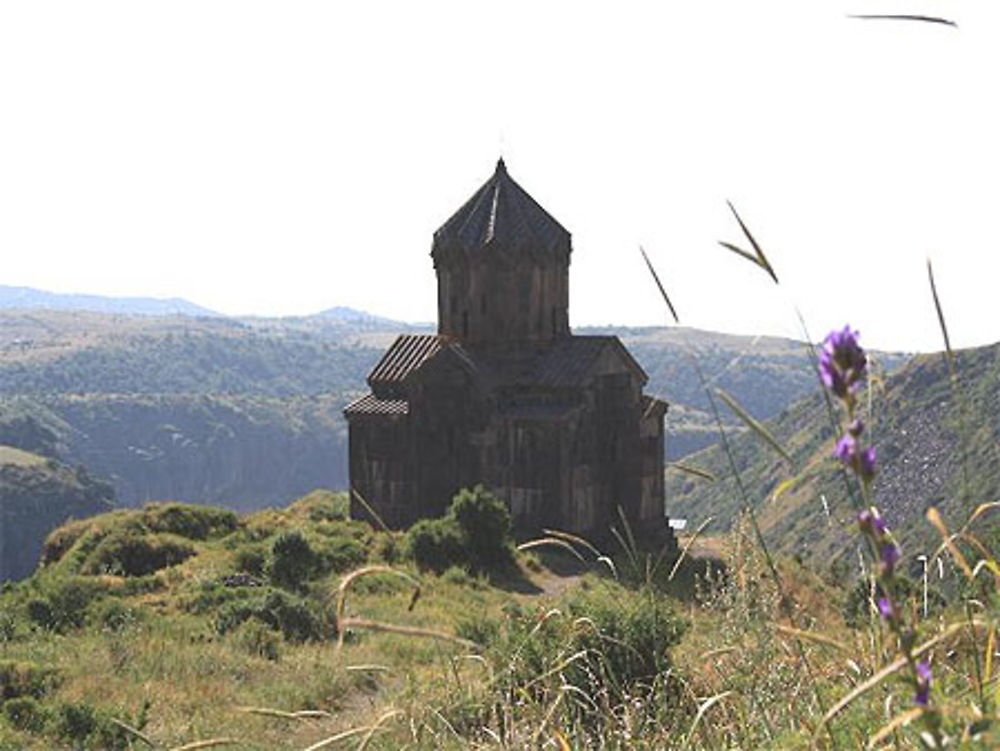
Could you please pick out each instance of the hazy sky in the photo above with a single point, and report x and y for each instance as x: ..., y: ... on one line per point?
x: 285, y: 157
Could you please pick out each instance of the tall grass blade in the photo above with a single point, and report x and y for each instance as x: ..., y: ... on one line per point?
x: 687, y: 547
x: 551, y: 541
x: 663, y: 292
x: 133, y: 731
x: 897, y: 722
x: 953, y: 374
x: 948, y: 541
x: 702, y: 709
x: 628, y: 531
x: 210, y: 743
x: 692, y: 470
x: 378, y: 726
x: 903, y: 17
x: 740, y: 252
x: 574, y: 539
x: 761, y: 259
x: 811, y: 636
x: 370, y: 510
x: 941, y: 321
x: 629, y: 552
x: 340, y: 595
x: 754, y: 425
x: 337, y: 738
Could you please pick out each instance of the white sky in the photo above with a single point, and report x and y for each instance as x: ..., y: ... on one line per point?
x: 285, y: 157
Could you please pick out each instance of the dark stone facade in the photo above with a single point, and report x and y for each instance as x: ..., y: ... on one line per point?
x: 505, y: 395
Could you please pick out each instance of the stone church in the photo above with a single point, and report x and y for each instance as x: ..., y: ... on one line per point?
x: 505, y: 394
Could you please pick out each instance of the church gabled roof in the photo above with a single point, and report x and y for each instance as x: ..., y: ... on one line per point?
x: 502, y: 214
x: 408, y: 354
x: 571, y: 361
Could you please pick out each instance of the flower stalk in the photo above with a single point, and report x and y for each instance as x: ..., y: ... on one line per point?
x: 843, y: 367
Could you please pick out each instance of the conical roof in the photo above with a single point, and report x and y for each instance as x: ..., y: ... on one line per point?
x: 501, y: 214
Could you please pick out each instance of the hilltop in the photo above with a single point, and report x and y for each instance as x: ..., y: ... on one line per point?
x: 30, y: 298
x: 917, y: 425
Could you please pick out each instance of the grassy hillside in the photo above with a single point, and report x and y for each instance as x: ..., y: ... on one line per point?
x: 287, y: 628
x: 917, y: 425
x: 176, y: 619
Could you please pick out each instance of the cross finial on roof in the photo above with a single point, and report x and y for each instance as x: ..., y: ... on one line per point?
x: 501, y: 167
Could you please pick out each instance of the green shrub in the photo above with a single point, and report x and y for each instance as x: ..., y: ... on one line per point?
x: 75, y: 722
x: 293, y: 561
x: 86, y: 726
x: 62, y: 603
x: 140, y: 585
x: 130, y: 553
x: 622, y: 639
x: 280, y: 611
x: 457, y: 575
x: 386, y: 548
x: 258, y: 640
x: 24, y: 678
x: 485, y: 522
x: 475, y: 532
x: 251, y: 559
x: 436, y: 544
x: 323, y: 505
x: 113, y: 615
x: 192, y: 522
x: 8, y: 626
x: 25, y: 713
x: 339, y: 554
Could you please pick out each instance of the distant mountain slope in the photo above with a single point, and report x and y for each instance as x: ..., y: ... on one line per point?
x: 86, y: 353
x: 764, y: 374
x: 109, y: 388
x: 916, y: 428
x: 245, y: 452
x: 27, y: 298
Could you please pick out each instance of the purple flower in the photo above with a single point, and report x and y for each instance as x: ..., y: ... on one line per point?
x: 888, y: 558
x: 865, y: 519
x: 924, y: 679
x: 861, y: 461
x: 831, y: 376
x: 866, y: 463
x: 846, y: 449
x: 886, y: 609
x: 842, y: 362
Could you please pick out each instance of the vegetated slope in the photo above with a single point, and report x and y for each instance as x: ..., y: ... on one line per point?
x: 208, y: 410
x: 764, y: 374
x: 145, y: 619
x: 87, y: 353
x: 917, y: 428
x: 37, y: 494
x: 244, y: 452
